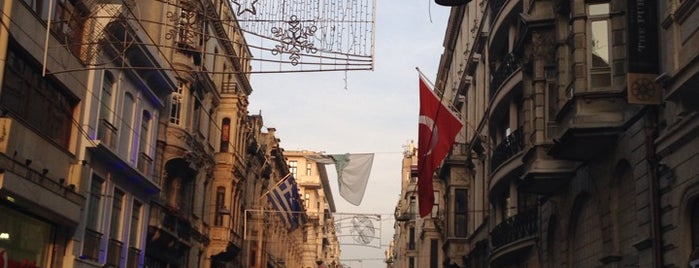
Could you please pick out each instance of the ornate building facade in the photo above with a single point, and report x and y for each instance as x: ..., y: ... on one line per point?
x: 127, y: 140
x: 576, y: 150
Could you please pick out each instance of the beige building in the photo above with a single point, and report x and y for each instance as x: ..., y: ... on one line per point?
x: 320, y: 244
x: 579, y: 141
x: 417, y: 242
x: 127, y: 141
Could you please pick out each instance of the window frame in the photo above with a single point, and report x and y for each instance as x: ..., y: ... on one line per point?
x: 593, y: 71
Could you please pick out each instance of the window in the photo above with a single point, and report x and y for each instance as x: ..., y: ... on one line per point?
x: 196, y: 118
x: 145, y: 133
x: 135, y: 224
x: 434, y: 253
x: 220, y: 200
x: 176, y: 104
x: 411, y: 238
x: 95, y: 203
x: 38, y: 101
x: 412, y: 207
x: 106, y: 100
x: 92, y: 239
x: 460, y: 212
x: 307, y: 200
x: 293, y: 165
x: 435, y: 205
x: 115, y: 245
x: 40, y: 7
x: 308, y: 169
x: 599, y: 45
x: 134, y: 231
x: 127, y: 129
x: 225, y: 134
x: 117, y: 205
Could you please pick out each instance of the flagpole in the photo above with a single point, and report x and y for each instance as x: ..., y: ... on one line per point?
x: 261, y: 220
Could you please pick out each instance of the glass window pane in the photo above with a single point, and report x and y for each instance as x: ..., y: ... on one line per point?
x: 599, y: 9
x: 600, y: 44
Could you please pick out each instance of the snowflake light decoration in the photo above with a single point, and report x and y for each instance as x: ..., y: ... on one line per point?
x: 294, y: 40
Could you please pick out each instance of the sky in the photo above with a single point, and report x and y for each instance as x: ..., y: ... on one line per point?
x: 361, y: 111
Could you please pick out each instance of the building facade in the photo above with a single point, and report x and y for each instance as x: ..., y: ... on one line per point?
x: 577, y: 132
x: 321, y: 246
x: 127, y: 140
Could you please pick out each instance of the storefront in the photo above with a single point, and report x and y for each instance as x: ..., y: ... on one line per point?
x: 25, y: 241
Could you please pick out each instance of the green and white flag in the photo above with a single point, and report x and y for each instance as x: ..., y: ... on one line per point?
x: 352, y: 175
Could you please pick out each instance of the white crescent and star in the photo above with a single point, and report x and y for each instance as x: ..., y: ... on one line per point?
x: 429, y: 123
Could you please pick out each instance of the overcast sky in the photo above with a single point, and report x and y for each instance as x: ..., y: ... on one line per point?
x: 361, y: 111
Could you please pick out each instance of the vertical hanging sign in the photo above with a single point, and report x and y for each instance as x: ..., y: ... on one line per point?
x: 643, y: 53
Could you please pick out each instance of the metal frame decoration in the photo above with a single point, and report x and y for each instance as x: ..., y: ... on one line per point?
x: 358, y: 229
x: 307, y: 35
x: 281, y: 36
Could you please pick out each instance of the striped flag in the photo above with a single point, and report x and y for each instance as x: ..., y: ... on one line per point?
x: 286, y: 202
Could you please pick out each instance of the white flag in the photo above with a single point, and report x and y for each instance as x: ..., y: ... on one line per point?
x: 352, y: 175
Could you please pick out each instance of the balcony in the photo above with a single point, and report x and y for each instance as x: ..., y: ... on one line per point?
x: 144, y: 163
x: 106, y: 133
x: 134, y: 256
x: 590, y: 122
x: 91, y: 245
x: 514, y: 235
x: 405, y: 216
x: 114, y: 253
x: 511, y: 146
x: 509, y: 65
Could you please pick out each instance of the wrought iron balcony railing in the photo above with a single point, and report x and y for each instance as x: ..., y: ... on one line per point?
x: 509, y: 65
x: 91, y: 245
x: 524, y: 224
x: 107, y: 133
x: 134, y: 255
x: 144, y: 163
x: 513, y: 144
x: 114, y: 253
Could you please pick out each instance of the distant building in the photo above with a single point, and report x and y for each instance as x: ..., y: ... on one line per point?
x: 579, y: 135
x: 321, y: 246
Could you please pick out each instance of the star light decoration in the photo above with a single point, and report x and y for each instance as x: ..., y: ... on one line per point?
x: 294, y: 40
x: 245, y: 6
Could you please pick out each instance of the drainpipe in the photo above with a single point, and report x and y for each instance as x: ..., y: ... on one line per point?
x: 651, y: 159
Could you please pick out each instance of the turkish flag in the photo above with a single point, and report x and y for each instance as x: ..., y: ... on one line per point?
x: 436, y: 133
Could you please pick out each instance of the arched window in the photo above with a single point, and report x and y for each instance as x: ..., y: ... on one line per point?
x: 225, y: 134
x: 106, y: 100
x: 127, y: 129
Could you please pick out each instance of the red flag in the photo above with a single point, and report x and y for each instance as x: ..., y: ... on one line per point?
x: 436, y: 133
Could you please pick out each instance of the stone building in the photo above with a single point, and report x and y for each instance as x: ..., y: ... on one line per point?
x: 127, y: 138
x: 321, y: 246
x: 580, y: 134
